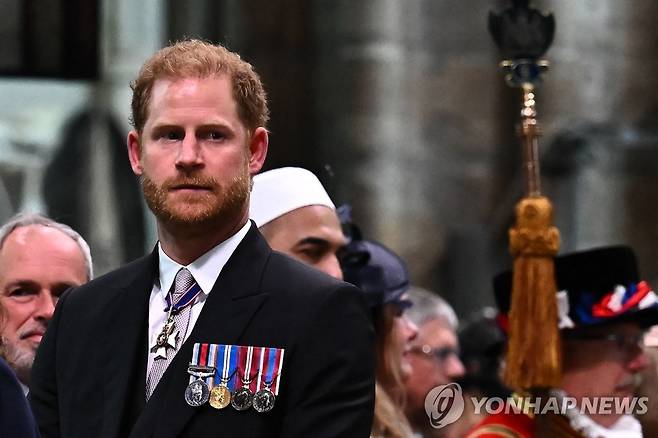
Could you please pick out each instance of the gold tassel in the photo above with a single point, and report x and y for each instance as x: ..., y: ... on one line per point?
x: 533, y: 350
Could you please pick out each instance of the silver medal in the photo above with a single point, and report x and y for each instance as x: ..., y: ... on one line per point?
x: 197, y: 393
x: 242, y: 399
x: 264, y: 400
x: 168, y: 338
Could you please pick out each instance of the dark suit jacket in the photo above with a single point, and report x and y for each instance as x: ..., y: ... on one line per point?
x: 89, y: 376
x: 16, y: 419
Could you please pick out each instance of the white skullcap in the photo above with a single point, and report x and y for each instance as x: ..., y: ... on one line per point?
x: 279, y: 191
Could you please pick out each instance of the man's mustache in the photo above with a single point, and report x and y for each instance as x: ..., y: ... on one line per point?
x: 207, y: 183
x: 34, y: 328
x: 633, y: 381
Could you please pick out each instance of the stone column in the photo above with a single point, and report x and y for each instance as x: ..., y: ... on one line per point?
x: 131, y: 32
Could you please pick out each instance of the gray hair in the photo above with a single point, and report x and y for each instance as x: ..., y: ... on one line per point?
x: 26, y: 219
x: 428, y: 306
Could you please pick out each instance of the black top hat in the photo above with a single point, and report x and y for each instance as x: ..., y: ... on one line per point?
x: 376, y: 270
x: 601, y: 286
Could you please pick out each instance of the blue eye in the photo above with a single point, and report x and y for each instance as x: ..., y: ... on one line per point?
x: 168, y: 133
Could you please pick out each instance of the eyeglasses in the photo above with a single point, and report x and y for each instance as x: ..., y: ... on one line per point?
x: 441, y: 354
x: 625, y: 342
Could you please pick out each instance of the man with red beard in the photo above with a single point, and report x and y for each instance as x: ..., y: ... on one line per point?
x: 212, y: 333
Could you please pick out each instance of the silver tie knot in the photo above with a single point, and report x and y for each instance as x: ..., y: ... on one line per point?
x: 183, y: 282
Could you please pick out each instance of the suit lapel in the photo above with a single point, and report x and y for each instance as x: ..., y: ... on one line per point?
x: 230, y: 306
x: 125, y: 354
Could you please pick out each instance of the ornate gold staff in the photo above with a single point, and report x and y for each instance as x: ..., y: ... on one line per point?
x: 533, y: 353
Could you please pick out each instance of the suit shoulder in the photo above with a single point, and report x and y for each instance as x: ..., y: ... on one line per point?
x: 6, y: 373
x: 285, y: 272
x: 305, y: 287
x: 107, y: 284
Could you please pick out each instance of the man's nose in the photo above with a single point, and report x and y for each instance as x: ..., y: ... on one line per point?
x: 411, y: 329
x: 45, y: 306
x: 189, y: 153
x: 454, y: 367
x: 639, y: 361
x: 331, y: 266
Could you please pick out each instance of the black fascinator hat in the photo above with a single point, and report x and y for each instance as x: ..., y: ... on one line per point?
x: 380, y: 273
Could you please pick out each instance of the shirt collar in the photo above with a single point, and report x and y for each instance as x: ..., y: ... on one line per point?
x: 206, y: 268
x: 626, y: 427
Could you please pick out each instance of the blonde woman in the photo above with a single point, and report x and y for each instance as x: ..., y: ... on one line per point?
x: 384, y: 279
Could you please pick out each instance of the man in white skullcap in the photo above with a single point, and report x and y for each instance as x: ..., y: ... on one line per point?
x: 295, y: 214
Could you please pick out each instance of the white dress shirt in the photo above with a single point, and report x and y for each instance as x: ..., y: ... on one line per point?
x: 205, y: 271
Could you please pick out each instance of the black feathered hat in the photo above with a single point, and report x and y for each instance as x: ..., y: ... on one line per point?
x: 376, y: 270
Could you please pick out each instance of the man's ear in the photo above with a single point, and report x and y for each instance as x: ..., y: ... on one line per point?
x: 134, y: 152
x: 258, y: 150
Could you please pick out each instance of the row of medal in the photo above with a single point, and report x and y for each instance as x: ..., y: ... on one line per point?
x: 240, y: 376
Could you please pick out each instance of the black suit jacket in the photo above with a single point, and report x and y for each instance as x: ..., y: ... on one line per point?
x: 88, y: 378
x: 16, y: 419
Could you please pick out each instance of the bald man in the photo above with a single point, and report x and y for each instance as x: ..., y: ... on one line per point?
x: 39, y: 260
x: 295, y: 214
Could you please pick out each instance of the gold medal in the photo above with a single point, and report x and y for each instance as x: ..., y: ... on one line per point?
x: 220, y: 396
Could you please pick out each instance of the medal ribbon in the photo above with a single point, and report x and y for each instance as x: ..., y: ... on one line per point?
x: 242, y: 355
x: 185, y: 299
x: 200, y: 357
x: 212, y: 361
x: 195, y: 358
x: 279, y: 365
x: 246, y: 374
x: 238, y: 364
x: 228, y: 355
x: 270, y: 368
x: 221, y: 355
x: 231, y: 374
x: 203, y: 355
x: 245, y: 366
x: 263, y: 353
x: 256, y: 364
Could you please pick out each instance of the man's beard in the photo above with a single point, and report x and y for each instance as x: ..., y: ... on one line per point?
x: 198, y: 212
x: 20, y: 359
